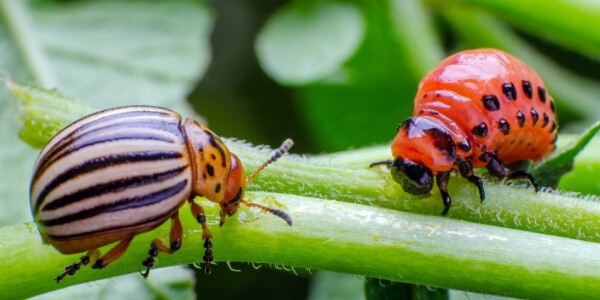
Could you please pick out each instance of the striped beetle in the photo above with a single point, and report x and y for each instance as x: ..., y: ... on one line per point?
x: 120, y: 172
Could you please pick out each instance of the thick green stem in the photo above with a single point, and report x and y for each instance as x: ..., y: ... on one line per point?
x: 359, y: 239
x: 506, y: 205
x: 419, y: 247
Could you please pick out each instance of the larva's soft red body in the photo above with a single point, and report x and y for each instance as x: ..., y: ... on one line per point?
x: 477, y: 108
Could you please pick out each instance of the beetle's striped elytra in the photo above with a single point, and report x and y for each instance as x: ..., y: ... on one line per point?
x: 477, y: 108
x: 120, y: 172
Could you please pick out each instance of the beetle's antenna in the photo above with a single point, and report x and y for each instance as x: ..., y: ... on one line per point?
x: 285, y: 146
x: 280, y: 213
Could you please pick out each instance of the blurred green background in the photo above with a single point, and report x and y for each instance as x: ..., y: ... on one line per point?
x: 332, y: 75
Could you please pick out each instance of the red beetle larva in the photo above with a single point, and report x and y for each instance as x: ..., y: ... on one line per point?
x: 117, y: 173
x: 478, y: 108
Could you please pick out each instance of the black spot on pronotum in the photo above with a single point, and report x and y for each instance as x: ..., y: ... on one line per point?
x: 527, y: 88
x: 509, y: 91
x: 490, y: 102
x: 210, y: 170
x: 546, y: 120
x: 520, y: 119
x: 212, y: 156
x: 542, y: 93
x: 480, y: 130
x: 504, y: 126
x: 534, y: 116
x: 464, y: 145
x: 218, y: 188
x: 442, y: 141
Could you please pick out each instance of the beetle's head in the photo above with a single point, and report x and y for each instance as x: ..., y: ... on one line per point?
x: 236, y: 184
x: 234, y: 192
x: 415, y: 178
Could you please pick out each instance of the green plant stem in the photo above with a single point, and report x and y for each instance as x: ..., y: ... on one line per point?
x: 18, y: 20
x: 506, y: 205
x: 359, y: 239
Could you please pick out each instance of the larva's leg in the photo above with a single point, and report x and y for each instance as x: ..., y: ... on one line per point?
x: 158, y: 245
x: 496, y: 167
x: 70, y: 270
x: 387, y: 163
x: 466, y: 170
x: 442, y: 179
x: 198, y: 213
x: 113, y: 254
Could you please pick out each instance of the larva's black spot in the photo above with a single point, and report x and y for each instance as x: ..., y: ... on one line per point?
x: 218, y: 188
x: 552, y: 105
x: 542, y: 93
x: 520, y: 119
x: 527, y: 88
x: 546, y: 120
x: 425, y: 95
x: 210, y: 170
x: 509, y: 91
x: 480, y: 130
x: 553, y: 127
x: 504, y: 126
x: 490, y: 102
x: 464, y: 145
x: 534, y: 116
x: 421, y: 111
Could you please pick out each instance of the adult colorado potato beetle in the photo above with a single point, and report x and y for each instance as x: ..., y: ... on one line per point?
x: 117, y: 173
x: 477, y: 108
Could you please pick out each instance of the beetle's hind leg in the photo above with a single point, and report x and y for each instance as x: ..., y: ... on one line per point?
x: 71, y: 269
x: 158, y: 245
x: 496, y: 167
x: 112, y: 255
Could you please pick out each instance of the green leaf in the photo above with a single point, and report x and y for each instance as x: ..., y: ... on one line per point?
x: 377, y: 96
x: 551, y: 170
x: 416, y: 34
x: 109, y: 53
x: 166, y: 283
x: 572, y: 24
x: 306, y: 42
x: 43, y: 113
x: 336, y: 286
x: 385, y: 289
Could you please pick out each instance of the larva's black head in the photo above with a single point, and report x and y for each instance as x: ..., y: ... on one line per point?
x: 415, y: 178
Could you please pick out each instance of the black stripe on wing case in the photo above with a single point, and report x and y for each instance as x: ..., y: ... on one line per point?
x: 170, y: 127
x: 112, y: 187
x: 103, y: 162
x: 123, y: 204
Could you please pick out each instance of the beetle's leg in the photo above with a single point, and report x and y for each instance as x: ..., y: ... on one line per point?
x: 158, y: 245
x: 496, y: 167
x: 113, y: 254
x: 442, y: 179
x: 387, y: 163
x: 466, y: 170
x: 198, y: 213
x: 92, y: 255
